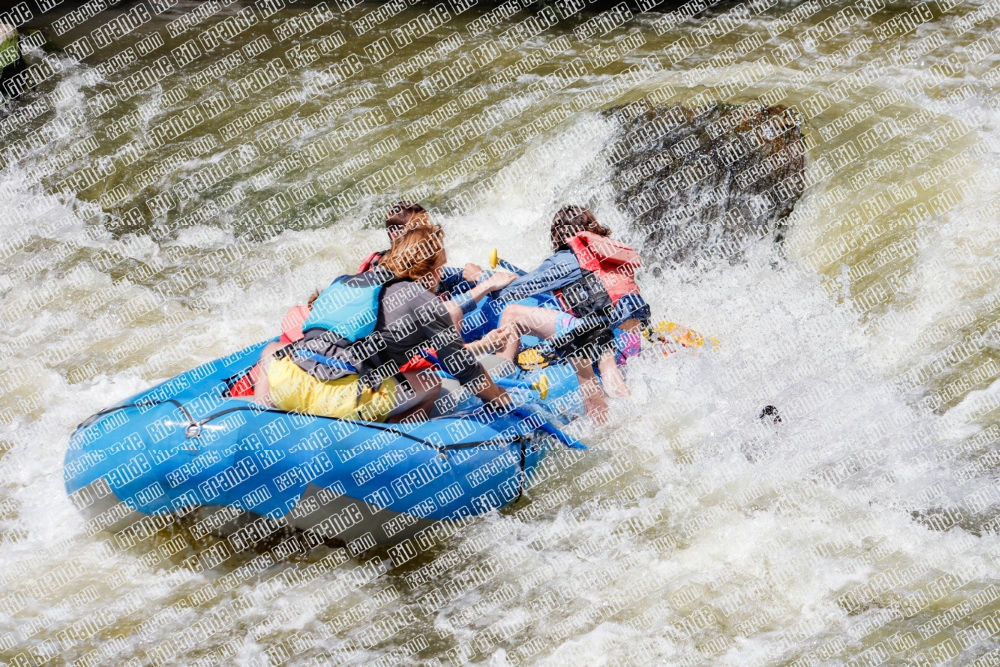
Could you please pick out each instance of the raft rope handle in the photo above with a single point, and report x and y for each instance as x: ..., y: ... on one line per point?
x: 545, y: 427
x: 374, y: 425
x: 438, y: 448
x: 140, y: 404
x: 195, y: 425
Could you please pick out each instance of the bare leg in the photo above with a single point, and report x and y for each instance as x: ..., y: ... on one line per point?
x: 498, y: 339
x: 539, y: 322
x: 590, y: 391
x: 610, y: 374
x: 262, y: 388
x: 614, y: 383
x: 426, y: 387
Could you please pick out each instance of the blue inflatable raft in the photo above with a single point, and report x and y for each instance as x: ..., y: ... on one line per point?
x: 185, y: 448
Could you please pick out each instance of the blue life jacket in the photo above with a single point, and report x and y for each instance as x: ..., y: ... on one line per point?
x: 348, y: 307
x: 343, y: 314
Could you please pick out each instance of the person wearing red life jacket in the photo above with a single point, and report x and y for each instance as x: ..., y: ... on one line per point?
x: 603, y: 311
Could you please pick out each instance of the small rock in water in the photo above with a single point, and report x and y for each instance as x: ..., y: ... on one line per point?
x: 702, y: 184
x: 771, y: 412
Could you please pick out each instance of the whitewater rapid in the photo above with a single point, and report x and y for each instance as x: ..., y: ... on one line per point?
x: 860, y: 529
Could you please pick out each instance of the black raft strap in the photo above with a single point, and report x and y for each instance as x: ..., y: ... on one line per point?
x: 520, y: 473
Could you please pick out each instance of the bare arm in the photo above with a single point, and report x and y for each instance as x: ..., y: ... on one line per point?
x: 491, y: 393
x: 495, y: 282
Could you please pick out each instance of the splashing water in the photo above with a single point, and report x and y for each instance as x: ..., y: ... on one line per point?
x: 861, y: 529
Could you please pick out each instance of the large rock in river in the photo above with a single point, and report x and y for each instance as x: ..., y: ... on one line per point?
x: 704, y: 184
x: 10, y: 54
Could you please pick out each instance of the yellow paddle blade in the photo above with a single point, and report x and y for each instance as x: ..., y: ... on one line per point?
x: 531, y: 359
x: 670, y: 335
x: 689, y: 338
x: 661, y: 329
x: 542, y: 387
x: 494, y: 258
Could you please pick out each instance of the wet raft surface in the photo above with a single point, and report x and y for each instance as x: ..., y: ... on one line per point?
x: 702, y: 183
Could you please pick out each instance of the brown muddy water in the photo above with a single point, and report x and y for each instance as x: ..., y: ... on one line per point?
x: 861, y: 530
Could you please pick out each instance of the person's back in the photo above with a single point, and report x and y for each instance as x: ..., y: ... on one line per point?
x: 592, y: 274
x: 613, y: 263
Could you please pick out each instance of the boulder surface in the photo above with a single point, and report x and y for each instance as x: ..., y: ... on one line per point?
x: 703, y: 184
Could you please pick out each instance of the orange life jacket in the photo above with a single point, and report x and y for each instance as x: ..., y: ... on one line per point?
x: 291, y: 324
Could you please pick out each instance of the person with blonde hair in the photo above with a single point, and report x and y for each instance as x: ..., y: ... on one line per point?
x: 362, y: 329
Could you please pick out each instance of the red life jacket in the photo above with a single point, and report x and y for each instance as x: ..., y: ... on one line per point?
x: 418, y: 363
x: 612, y: 262
x: 291, y: 324
x: 370, y: 261
x: 244, y: 386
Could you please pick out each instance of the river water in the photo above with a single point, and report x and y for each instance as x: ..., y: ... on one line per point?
x: 860, y: 530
